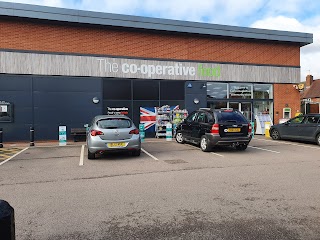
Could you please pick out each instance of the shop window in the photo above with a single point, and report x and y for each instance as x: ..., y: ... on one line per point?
x: 262, y: 91
x: 240, y: 90
x: 173, y: 103
x: 145, y: 90
x: 218, y: 105
x: 217, y: 90
x: 117, y: 89
x: 172, y: 90
x: 263, y: 107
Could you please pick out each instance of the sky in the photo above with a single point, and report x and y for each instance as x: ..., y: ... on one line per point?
x: 287, y: 15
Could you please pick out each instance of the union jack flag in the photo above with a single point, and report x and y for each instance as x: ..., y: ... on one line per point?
x: 148, y: 117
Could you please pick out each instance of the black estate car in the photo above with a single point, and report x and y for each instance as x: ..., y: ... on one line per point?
x: 214, y: 127
x: 301, y: 128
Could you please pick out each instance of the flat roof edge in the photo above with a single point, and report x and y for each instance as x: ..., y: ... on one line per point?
x: 118, y: 20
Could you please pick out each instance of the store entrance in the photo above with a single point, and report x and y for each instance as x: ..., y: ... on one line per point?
x: 244, y: 107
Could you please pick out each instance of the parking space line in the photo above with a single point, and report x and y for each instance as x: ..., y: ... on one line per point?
x: 264, y: 149
x: 210, y: 152
x: 13, y: 156
x: 288, y: 143
x: 150, y: 155
x: 217, y: 154
x: 81, y: 156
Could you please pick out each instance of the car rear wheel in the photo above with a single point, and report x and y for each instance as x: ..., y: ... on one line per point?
x: 180, y: 138
x: 204, y: 144
x: 91, y: 155
x: 275, y: 134
x: 241, y: 147
x: 318, y: 139
x: 136, y: 153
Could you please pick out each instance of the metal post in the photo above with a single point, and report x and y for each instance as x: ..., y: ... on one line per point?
x: 7, y: 226
x: 1, y: 131
x: 31, y: 136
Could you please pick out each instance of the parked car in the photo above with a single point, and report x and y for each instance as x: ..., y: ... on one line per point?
x: 215, y: 127
x: 301, y: 128
x: 110, y: 133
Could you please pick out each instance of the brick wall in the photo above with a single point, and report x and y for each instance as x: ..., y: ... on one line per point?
x: 84, y: 39
x: 285, y: 96
x: 315, y: 108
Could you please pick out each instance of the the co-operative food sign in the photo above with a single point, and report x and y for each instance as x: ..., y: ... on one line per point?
x: 157, y: 70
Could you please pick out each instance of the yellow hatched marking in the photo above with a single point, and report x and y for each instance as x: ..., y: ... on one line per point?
x: 6, y: 153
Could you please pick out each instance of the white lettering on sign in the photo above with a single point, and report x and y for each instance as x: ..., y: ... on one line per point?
x: 147, y: 69
x: 108, y: 67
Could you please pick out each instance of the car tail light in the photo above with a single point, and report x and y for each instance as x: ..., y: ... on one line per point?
x: 96, y: 133
x: 249, y: 128
x: 215, y: 128
x: 134, y: 131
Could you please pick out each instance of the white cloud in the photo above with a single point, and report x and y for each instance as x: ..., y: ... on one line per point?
x: 213, y: 11
x: 51, y: 3
x: 309, y: 53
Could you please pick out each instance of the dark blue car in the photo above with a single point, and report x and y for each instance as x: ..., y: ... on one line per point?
x: 301, y: 128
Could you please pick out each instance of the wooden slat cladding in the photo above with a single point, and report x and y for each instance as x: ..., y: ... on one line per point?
x: 66, y: 65
x: 85, y: 39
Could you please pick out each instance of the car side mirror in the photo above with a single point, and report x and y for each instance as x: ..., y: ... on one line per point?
x: 86, y: 125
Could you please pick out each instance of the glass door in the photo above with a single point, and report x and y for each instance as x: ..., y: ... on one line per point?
x: 246, y: 109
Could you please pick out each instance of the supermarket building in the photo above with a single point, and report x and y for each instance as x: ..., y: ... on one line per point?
x: 62, y: 67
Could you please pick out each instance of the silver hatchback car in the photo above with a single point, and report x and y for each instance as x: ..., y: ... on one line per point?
x: 111, y: 133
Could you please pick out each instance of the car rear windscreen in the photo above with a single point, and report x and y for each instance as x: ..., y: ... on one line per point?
x: 225, y: 116
x: 112, y: 123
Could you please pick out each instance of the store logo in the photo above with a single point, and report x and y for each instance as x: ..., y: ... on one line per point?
x: 209, y: 72
x: 178, y: 69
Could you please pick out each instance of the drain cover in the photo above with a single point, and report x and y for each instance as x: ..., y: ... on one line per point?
x: 175, y: 161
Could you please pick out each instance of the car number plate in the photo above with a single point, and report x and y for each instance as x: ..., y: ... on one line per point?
x: 116, y: 145
x: 233, y: 129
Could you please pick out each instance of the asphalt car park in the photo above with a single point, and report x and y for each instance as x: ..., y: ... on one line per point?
x: 58, y: 193
x: 71, y: 162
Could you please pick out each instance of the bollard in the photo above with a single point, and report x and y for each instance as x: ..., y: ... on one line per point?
x: 31, y: 136
x: 267, y: 129
x: 1, y: 131
x: 7, y: 226
x: 141, y: 132
x: 169, y: 132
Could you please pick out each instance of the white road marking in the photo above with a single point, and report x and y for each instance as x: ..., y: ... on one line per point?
x: 288, y: 143
x: 81, y: 156
x: 210, y: 152
x: 264, y: 149
x: 150, y: 155
x: 13, y: 156
x: 217, y: 154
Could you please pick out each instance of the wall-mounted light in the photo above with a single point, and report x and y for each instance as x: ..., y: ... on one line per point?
x: 196, y: 100
x: 95, y: 100
x: 204, y: 85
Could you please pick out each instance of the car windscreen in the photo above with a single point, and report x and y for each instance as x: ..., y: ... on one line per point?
x: 232, y: 116
x: 113, y: 123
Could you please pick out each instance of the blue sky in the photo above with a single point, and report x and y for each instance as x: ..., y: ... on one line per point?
x: 288, y: 15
